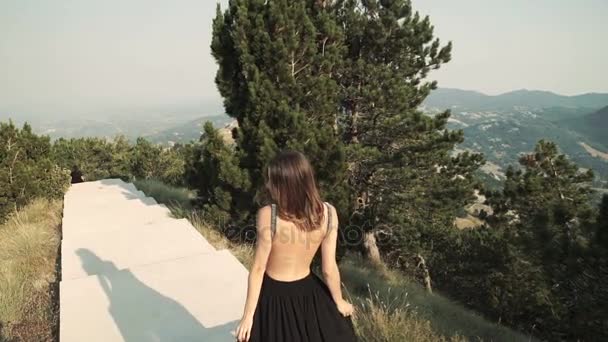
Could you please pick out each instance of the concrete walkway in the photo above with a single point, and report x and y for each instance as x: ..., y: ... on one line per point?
x: 132, y: 273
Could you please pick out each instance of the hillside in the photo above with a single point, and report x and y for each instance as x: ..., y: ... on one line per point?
x: 593, y: 125
x: 187, y: 132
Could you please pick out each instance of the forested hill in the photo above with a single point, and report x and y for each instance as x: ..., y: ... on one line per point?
x: 504, y: 127
x: 594, y: 125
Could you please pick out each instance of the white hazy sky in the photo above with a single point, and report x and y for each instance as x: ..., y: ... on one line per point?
x: 88, y: 56
x: 504, y: 45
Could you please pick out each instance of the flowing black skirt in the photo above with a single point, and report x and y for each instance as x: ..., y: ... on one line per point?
x: 299, y: 311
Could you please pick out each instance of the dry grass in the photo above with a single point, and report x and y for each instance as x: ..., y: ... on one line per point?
x: 393, y: 319
x: 29, y: 245
x: 468, y: 222
x: 243, y: 252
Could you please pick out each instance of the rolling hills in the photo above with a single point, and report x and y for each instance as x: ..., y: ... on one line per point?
x: 529, y: 99
x: 505, y: 126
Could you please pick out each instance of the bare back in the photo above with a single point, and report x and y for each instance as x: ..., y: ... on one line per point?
x: 293, y: 249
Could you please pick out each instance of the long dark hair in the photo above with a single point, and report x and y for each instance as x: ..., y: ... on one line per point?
x: 290, y: 184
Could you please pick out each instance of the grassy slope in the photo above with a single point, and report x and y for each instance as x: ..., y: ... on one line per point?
x: 29, y: 247
x: 445, y: 316
x: 390, y: 307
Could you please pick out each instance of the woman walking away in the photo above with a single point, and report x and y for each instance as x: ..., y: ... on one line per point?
x: 286, y: 302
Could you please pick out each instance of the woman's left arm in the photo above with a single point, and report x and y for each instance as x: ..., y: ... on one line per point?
x: 256, y: 274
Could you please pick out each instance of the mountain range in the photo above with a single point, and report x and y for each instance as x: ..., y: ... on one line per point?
x: 531, y: 99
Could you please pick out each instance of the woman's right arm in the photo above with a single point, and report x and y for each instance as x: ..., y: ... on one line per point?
x: 331, y: 273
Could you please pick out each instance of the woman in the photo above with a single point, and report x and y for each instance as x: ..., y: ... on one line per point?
x: 286, y: 302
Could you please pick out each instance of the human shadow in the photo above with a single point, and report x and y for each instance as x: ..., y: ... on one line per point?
x: 142, y: 314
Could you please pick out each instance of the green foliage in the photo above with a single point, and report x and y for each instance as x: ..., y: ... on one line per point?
x: 535, y: 268
x: 96, y: 158
x: 601, y: 233
x: 100, y: 159
x: 31, y: 166
x: 213, y: 170
x: 150, y: 161
x: 276, y: 61
x: 406, y: 186
x: 27, y: 170
x: 342, y: 81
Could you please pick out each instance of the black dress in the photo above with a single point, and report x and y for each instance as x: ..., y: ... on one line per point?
x: 298, y: 311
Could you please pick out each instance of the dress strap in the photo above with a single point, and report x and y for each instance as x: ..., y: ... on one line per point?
x: 273, y: 219
x: 329, y: 215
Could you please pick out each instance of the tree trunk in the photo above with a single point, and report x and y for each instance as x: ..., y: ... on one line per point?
x: 371, y: 248
x: 426, y: 276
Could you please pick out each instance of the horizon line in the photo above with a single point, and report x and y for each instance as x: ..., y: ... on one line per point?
x: 523, y: 90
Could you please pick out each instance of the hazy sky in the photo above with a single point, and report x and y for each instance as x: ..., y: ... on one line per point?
x: 89, y: 56
x: 503, y: 45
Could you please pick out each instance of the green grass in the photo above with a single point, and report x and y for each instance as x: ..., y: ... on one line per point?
x: 29, y: 246
x: 390, y: 307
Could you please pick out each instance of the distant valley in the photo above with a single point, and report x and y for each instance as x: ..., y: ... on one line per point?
x: 189, y: 131
x: 505, y: 126
x: 502, y: 127
x: 161, y: 129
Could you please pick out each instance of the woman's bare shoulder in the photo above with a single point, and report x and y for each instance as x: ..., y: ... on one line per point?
x: 265, y: 208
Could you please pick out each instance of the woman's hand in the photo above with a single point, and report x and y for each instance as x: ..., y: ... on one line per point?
x: 345, y: 308
x: 243, y: 332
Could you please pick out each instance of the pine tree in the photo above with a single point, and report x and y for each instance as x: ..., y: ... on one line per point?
x: 552, y: 195
x: 545, y: 212
x: 601, y: 233
x: 400, y: 166
x: 588, y: 320
x: 212, y: 169
x: 276, y: 60
x: 120, y: 165
x: 145, y: 160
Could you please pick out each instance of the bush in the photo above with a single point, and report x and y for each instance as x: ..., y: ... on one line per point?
x: 27, y: 170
